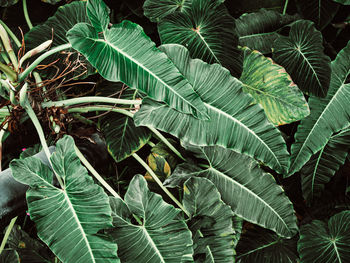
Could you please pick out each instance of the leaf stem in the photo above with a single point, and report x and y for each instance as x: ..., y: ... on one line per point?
x: 26, y: 15
x: 285, y: 7
x: 74, y: 101
x: 95, y: 173
x: 156, y: 179
x: 12, y: 75
x: 41, y: 135
x: 7, y: 234
x: 36, y: 62
x: 100, y: 108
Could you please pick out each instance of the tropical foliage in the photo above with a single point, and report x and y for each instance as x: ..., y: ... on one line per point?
x: 179, y: 131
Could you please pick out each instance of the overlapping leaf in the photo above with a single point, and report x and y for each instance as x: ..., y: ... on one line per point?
x: 67, y: 218
x: 324, y: 164
x: 323, y: 242
x: 328, y: 115
x: 122, y: 137
x: 301, y: 54
x: 155, y: 10
x: 271, y: 86
x: 211, y: 221
x: 234, y: 123
x: 260, y: 245
x: 258, y: 30
x: 6, y: 3
x: 57, y: 26
x: 319, y: 11
x: 207, y: 30
x: 163, y: 235
x: 251, y: 193
x: 126, y: 54
x: 9, y: 255
x: 343, y: 2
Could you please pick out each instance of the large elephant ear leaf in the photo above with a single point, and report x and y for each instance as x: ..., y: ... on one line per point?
x: 271, y: 86
x: 252, y: 194
x: 319, y: 11
x: 328, y: 115
x: 98, y: 13
x: 67, y: 218
x: 122, y: 136
x: 326, y: 242
x: 235, y: 121
x: 263, y: 246
x: 259, y: 30
x: 211, y: 221
x: 160, y: 236
x: 324, y: 164
x: 301, y: 54
x: 56, y: 28
x: 207, y: 30
x: 126, y: 46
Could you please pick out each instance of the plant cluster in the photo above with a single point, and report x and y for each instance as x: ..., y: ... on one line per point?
x: 216, y: 132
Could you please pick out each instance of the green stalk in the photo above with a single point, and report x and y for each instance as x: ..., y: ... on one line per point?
x: 12, y: 35
x: 80, y: 100
x: 26, y: 15
x: 95, y: 173
x: 41, y: 135
x: 156, y: 179
x: 100, y: 108
x: 285, y: 7
x: 7, y: 234
x: 36, y: 62
x: 3, y: 54
x: 7, y: 45
x: 12, y: 75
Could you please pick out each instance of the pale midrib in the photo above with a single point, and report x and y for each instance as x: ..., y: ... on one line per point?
x: 337, y: 252
x: 246, y: 128
x: 252, y: 193
x: 268, y: 94
x: 257, y: 249
x: 315, y: 125
x: 206, y: 44
x: 315, y: 170
x: 79, y: 225
x: 256, y: 35
x: 143, y: 67
x: 152, y: 244
x: 312, y: 68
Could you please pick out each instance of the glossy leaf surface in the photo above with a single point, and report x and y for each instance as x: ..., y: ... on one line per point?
x: 126, y: 54
x: 301, y: 54
x: 328, y: 115
x: 211, y: 221
x: 68, y: 218
x: 251, y: 193
x: 235, y: 122
x: 271, y: 87
x: 326, y: 242
x: 163, y: 235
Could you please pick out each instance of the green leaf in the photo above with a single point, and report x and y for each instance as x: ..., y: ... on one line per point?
x: 122, y: 136
x: 319, y: 11
x: 323, y: 242
x: 324, y: 164
x: 52, y: 2
x: 301, y: 54
x: 260, y: 29
x: 207, y: 30
x: 98, y: 13
x: 7, y: 3
x: 210, y: 222
x: 163, y: 235
x: 328, y: 115
x: 343, y: 2
x: 156, y: 10
x: 235, y: 122
x: 57, y: 26
x: 68, y: 218
x: 125, y: 46
x: 271, y: 86
x: 260, y: 245
x: 28, y: 248
x: 9, y: 256
x: 243, y: 185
